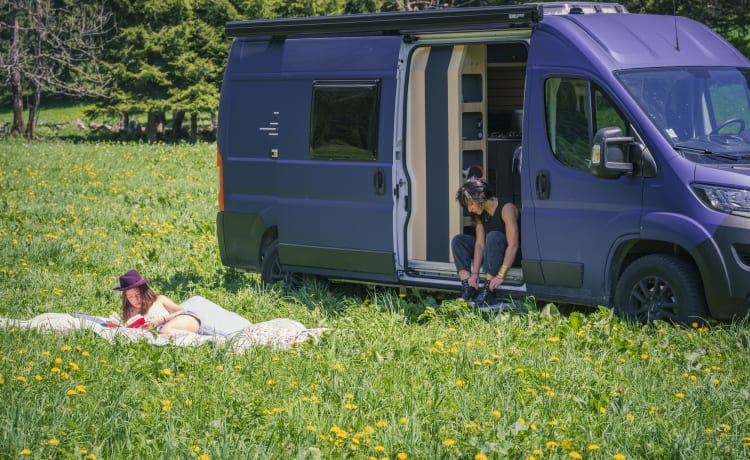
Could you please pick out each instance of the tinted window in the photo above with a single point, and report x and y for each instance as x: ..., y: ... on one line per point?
x: 570, y: 124
x: 344, y: 121
x: 568, y: 121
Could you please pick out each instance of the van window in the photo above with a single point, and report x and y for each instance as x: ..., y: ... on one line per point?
x: 570, y: 124
x: 344, y: 121
x: 568, y: 121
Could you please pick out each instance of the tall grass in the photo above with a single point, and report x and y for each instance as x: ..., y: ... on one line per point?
x: 417, y: 376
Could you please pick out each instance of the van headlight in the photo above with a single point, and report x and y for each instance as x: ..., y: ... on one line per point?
x: 724, y: 199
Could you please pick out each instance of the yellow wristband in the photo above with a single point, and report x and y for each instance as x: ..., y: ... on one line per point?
x: 503, y: 271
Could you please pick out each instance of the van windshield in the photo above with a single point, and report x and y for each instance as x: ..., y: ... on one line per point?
x: 703, y: 112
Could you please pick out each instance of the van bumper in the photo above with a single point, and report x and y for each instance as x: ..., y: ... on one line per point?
x: 724, y: 262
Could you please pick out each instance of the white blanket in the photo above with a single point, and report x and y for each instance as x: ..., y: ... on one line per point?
x: 282, y: 333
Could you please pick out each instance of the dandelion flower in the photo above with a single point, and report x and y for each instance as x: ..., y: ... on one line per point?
x: 403, y: 420
x: 593, y: 447
x: 25, y: 452
x: 619, y: 456
x: 53, y: 442
x: 402, y: 456
x: 602, y: 410
x: 480, y: 456
x: 680, y: 395
x: 551, y: 445
x: 449, y: 442
x: 166, y: 371
x: 204, y: 457
x: 381, y: 424
x: 379, y: 448
x: 574, y: 454
x: 460, y: 383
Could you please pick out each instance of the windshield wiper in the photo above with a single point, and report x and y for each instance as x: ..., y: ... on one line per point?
x: 710, y: 152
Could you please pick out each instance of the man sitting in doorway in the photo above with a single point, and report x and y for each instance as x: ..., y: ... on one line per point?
x: 493, y: 246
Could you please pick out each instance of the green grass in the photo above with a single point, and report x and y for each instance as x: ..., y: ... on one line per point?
x: 416, y: 376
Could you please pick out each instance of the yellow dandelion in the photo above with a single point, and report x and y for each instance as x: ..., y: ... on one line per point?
x: 402, y: 456
x: 270, y: 382
x: 21, y: 378
x: 680, y: 395
x: 629, y: 417
x: 449, y: 442
x: 219, y: 367
x: 480, y: 456
x: 73, y: 366
x: 204, y: 457
x: 553, y: 339
x: 619, y: 456
x: 574, y: 454
x: 85, y: 354
x: 38, y: 378
x: 566, y: 444
x: 71, y: 392
x: 593, y: 447
x: 67, y: 348
x: 381, y: 424
x: 311, y: 428
x: 602, y: 410
x: 379, y: 448
x: 53, y: 442
x: 644, y: 356
x: 496, y: 413
x: 460, y: 383
x: 166, y: 371
x: 551, y: 445
x: 25, y: 452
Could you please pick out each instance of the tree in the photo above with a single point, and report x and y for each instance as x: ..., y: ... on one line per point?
x: 167, y: 56
x: 54, y: 47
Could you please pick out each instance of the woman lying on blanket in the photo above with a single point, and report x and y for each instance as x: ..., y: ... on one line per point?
x: 197, y: 314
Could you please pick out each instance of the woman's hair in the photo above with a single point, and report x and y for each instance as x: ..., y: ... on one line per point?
x: 473, y: 189
x: 148, y: 297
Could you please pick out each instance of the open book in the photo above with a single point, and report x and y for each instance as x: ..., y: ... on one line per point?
x: 134, y: 321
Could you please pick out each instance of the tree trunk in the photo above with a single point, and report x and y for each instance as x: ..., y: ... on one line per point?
x: 151, y: 127
x: 16, y: 86
x: 34, y: 112
x: 177, y: 120
x: 194, y: 127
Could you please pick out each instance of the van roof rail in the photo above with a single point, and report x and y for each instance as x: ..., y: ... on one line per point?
x: 392, y: 22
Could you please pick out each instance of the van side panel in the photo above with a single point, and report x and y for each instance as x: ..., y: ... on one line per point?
x: 321, y: 209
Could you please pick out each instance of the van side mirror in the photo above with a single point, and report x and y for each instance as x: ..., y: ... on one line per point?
x: 608, y: 159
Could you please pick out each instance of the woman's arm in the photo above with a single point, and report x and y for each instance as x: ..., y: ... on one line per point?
x: 510, y: 215
x: 170, y: 306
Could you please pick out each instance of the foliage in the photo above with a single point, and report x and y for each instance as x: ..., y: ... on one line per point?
x: 401, y: 375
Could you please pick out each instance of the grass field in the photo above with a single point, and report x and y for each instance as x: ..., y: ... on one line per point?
x: 399, y: 377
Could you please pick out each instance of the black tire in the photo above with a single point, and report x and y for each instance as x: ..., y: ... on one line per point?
x: 661, y: 287
x: 270, y: 265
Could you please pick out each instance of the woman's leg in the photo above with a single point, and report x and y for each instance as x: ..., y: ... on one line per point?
x: 181, y: 323
x: 462, y: 247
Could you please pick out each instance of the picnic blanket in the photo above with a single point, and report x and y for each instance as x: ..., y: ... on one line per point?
x: 281, y: 333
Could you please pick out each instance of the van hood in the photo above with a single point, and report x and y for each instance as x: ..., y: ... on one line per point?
x: 737, y: 176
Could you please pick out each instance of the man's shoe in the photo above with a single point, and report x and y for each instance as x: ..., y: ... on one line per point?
x: 467, y: 292
x: 484, y: 298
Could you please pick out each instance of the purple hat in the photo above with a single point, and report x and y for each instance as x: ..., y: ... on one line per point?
x: 130, y: 280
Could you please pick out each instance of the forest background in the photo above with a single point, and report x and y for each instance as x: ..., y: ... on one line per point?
x: 151, y: 70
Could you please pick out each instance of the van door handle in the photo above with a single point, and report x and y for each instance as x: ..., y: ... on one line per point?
x: 542, y: 185
x: 379, y: 182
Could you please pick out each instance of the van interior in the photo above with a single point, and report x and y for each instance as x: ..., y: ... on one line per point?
x: 481, y: 88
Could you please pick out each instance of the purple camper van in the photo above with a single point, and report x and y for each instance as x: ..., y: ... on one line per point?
x: 624, y: 140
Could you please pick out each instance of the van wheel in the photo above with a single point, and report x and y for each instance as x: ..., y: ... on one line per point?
x: 661, y: 287
x: 270, y: 264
